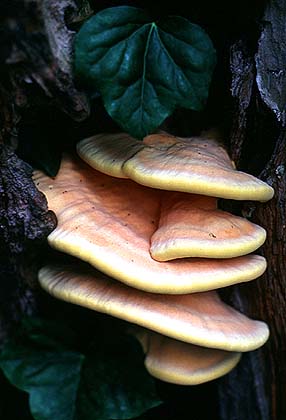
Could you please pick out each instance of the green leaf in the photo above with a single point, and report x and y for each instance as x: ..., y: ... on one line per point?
x: 40, y: 364
x: 109, y: 381
x: 47, y: 158
x: 114, y: 383
x: 144, y: 69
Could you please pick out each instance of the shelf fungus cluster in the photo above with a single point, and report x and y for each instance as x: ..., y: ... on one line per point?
x: 144, y: 216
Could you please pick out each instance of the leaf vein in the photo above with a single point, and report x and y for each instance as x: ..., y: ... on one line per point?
x: 144, y: 71
x: 172, y: 60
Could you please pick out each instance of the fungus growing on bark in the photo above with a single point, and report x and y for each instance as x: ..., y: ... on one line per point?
x: 159, y: 231
x: 183, y: 364
x: 191, y: 225
x: 197, y: 165
x: 109, y: 223
x: 198, y: 318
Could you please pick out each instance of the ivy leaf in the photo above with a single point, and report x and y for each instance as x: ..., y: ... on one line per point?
x: 142, y: 68
x: 129, y: 387
x: 41, y: 365
x: 109, y: 381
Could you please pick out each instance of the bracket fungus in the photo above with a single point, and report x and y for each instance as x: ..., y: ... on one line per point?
x: 197, y: 318
x: 197, y: 165
x: 145, y: 214
x: 180, y: 363
x: 191, y: 225
x: 108, y: 222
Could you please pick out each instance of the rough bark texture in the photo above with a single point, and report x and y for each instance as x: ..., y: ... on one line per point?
x: 271, y: 59
x: 24, y: 223
x: 36, y: 74
x: 271, y: 296
x: 37, y: 56
x: 256, y: 389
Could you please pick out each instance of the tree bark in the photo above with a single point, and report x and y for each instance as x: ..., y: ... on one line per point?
x: 35, y: 68
x: 257, y: 388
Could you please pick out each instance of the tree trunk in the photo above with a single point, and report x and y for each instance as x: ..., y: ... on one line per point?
x: 257, y: 388
x: 41, y: 106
